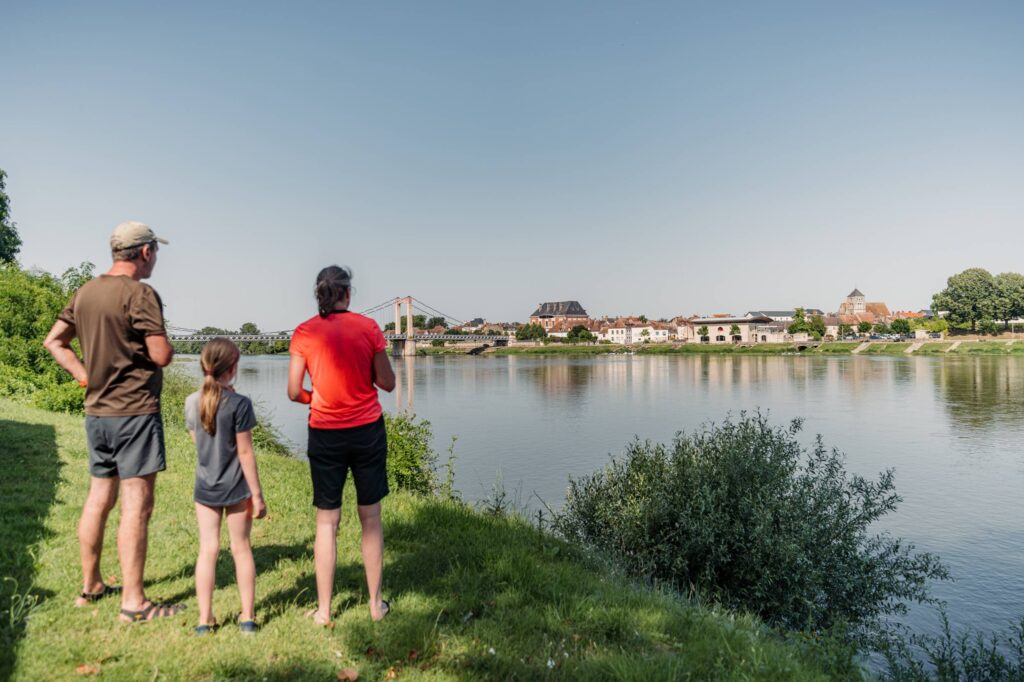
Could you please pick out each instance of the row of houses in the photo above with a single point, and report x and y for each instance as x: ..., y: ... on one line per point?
x: 756, y: 326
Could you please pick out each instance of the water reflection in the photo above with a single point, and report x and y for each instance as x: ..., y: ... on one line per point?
x: 981, y: 393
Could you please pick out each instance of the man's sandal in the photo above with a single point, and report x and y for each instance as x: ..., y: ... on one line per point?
x: 92, y: 597
x: 152, y: 612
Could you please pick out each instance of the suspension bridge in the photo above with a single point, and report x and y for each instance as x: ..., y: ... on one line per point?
x: 403, y: 338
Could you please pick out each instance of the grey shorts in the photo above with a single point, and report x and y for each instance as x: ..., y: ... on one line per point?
x: 126, y: 447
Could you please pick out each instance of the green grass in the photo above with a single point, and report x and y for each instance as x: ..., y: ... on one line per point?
x: 837, y: 347
x: 983, y: 348
x: 474, y: 596
x: 933, y: 348
x: 883, y: 348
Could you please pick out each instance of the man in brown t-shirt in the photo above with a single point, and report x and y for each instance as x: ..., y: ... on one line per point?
x: 120, y: 324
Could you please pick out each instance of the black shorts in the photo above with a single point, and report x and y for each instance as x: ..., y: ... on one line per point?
x: 332, y: 452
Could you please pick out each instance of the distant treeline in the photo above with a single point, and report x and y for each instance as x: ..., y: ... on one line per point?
x: 247, y: 347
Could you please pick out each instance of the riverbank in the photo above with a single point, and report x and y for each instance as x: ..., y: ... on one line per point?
x: 474, y: 596
x: 945, y: 348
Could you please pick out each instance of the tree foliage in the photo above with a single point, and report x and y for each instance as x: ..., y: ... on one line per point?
x: 863, y: 327
x: 900, y: 326
x: 10, y: 241
x: 969, y: 297
x: 578, y: 334
x: 436, y: 321
x: 531, y: 332
x: 745, y: 515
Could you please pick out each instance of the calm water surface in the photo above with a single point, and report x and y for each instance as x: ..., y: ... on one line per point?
x: 951, y: 428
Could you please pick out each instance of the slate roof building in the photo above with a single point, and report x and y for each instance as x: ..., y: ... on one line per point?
x: 554, y: 313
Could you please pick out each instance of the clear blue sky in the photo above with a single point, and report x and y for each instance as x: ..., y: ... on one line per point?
x: 657, y: 158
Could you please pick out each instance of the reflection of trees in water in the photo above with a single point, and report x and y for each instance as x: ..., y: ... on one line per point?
x: 567, y: 380
x: 981, y: 392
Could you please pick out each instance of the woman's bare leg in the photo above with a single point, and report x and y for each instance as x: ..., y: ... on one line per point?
x: 325, y: 558
x: 373, y: 556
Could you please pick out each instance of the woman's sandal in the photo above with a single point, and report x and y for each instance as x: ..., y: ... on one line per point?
x: 147, y: 614
x: 92, y: 597
x: 248, y: 627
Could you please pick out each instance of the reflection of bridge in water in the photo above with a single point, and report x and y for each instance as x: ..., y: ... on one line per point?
x: 402, y: 344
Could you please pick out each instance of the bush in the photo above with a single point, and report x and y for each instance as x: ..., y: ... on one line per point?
x: 411, y: 458
x: 17, y: 383
x: 68, y: 397
x: 743, y: 514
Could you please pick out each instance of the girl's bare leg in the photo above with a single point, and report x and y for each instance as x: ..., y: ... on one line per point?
x: 239, y: 526
x: 206, y: 564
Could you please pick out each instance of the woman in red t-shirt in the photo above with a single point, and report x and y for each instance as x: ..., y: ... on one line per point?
x: 344, y: 355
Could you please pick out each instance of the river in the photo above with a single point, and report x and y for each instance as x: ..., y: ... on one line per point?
x: 952, y: 428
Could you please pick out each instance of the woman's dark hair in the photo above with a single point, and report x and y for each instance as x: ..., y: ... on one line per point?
x: 332, y: 284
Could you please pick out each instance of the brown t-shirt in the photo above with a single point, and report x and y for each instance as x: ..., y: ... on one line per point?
x: 112, y: 316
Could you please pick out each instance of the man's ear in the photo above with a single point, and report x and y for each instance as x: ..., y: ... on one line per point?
x: 147, y: 253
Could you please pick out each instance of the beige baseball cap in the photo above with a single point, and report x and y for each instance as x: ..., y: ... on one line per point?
x: 133, y: 233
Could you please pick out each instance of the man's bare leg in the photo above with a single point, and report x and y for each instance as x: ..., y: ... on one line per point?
x: 132, y: 538
x: 91, y: 527
x: 373, y: 556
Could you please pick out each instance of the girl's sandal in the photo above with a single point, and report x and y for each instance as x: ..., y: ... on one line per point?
x: 248, y: 627
x: 87, y: 598
x: 151, y: 612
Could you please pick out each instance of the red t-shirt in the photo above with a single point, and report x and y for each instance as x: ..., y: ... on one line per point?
x: 339, y: 354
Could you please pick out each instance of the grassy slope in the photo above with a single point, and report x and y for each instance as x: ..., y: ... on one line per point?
x: 474, y: 597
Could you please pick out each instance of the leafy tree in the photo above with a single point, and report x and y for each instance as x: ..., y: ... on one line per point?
x: 645, y: 335
x: 900, y: 326
x: 642, y: 318
x: 968, y: 298
x: 10, y: 242
x: 73, y: 278
x: 734, y: 331
x: 531, y: 332
x: 1009, y: 294
x: 799, y: 324
x: 436, y: 322
x: 579, y: 333
x: 248, y: 328
x: 817, y: 326
x: 845, y: 330
x: 881, y: 328
x: 863, y: 327
x: 702, y: 332
x: 988, y: 326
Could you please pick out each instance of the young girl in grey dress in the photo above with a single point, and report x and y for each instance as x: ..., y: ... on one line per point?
x: 220, y: 422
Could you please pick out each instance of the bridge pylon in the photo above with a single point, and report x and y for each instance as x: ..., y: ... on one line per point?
x: 403, y: 344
